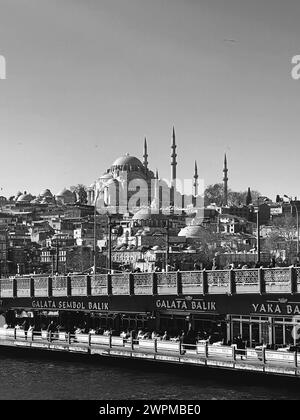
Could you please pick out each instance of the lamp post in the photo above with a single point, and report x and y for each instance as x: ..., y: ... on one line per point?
x: 297, y: 221
x: 95, y: 232
x: 258, y: 235
x: 167, y: 245
x: 109, y: 243
x: 258, y: 228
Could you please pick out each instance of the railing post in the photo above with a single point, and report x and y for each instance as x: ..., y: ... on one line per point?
x: 231, y: 287
x: 204, y: 282
x: 179, y: 283
x: 15, y: 287
x: 109, y: 285
x: 88, y: 286
x: 89, y: 340
x: 206, y: 350
x: 264, y: 355
x: 296, y: 358
x: 50, y: 287
x: 261, y: 282
x: 155, y: 345
x: 31, y: 286
x: 154, y: 284
x: 69, y: 338
x: 233, y: 352
x: 180, y: 347
x: 110, y: 341
x: 15, y: 333
x: 131, y: 336
x: 293, y: 280
x: 131, y: 284
x: 69, y: 286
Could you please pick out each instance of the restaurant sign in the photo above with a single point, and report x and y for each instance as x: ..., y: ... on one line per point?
x: 279, y: 307
x: 198, y: 305
x: 70, y: 305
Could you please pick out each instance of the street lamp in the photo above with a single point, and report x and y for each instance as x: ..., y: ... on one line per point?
x: 258, y: 228
x: 109, y: 243
x: 95, y: 228
x: 297, y: 218
x: 167, y: 246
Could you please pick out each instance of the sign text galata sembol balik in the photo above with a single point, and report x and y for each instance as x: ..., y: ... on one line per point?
x: 71, y: 305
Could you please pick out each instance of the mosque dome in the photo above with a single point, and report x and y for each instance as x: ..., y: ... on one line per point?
x: 192, y: 231
x: 147, y: 213
x: 66, y: 196
x: 25, y: 198
x: 64, y: 192
x: 127, y: 162
x: 46, y: 193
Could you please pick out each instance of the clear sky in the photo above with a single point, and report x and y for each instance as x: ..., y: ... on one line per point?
x: 87, y: 80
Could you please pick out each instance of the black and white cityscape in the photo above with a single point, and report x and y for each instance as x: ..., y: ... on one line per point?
x: 149, y: 202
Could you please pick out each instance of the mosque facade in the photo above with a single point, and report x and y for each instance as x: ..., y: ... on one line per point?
x: 129, y: 186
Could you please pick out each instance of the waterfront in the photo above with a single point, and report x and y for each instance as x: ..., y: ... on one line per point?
x: 41, y: 377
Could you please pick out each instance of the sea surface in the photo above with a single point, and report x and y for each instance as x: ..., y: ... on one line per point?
x: 27, y: 377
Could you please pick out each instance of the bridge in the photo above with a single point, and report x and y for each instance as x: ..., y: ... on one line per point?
x: 206, y: 282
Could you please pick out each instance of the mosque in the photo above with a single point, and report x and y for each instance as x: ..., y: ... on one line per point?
x: 129, y: 186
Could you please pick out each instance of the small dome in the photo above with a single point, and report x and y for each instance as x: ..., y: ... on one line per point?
x: 147, y: 213
x: 64, y: 192
x: 192, y: 231
x: 46, y: 193
x: 25, y: 198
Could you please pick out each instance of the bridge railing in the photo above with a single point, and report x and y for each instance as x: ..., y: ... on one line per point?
x: 201, y: 349
x: 270, y: 280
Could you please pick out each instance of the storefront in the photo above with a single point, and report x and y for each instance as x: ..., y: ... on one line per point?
x: 275, y: 332
x: 270, y: 319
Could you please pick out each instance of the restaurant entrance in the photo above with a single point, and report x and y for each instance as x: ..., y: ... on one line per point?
x: 275, y: 332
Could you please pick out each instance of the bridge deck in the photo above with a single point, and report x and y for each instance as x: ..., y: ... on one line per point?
x: 225, y: 357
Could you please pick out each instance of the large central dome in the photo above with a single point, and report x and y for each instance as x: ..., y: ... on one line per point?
x: 127, y: 161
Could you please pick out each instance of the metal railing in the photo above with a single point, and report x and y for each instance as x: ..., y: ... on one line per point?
x: 202, y: 350
x: 273, y: 280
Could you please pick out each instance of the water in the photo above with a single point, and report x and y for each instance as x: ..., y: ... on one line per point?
x: 46, y: 377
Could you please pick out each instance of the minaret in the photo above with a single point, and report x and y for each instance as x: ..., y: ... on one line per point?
x: 173, y: 171
x: 145, y: 163
x: 225, y: 183
x: 195, y: 184
x: 173, y: 157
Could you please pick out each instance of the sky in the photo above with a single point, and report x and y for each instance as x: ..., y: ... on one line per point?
x: 87, y: 80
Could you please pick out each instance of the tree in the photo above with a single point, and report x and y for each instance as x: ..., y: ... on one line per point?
x: 215, y: 194
x: 80, y: 192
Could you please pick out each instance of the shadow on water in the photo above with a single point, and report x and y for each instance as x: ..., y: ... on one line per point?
x: 158, y: 380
